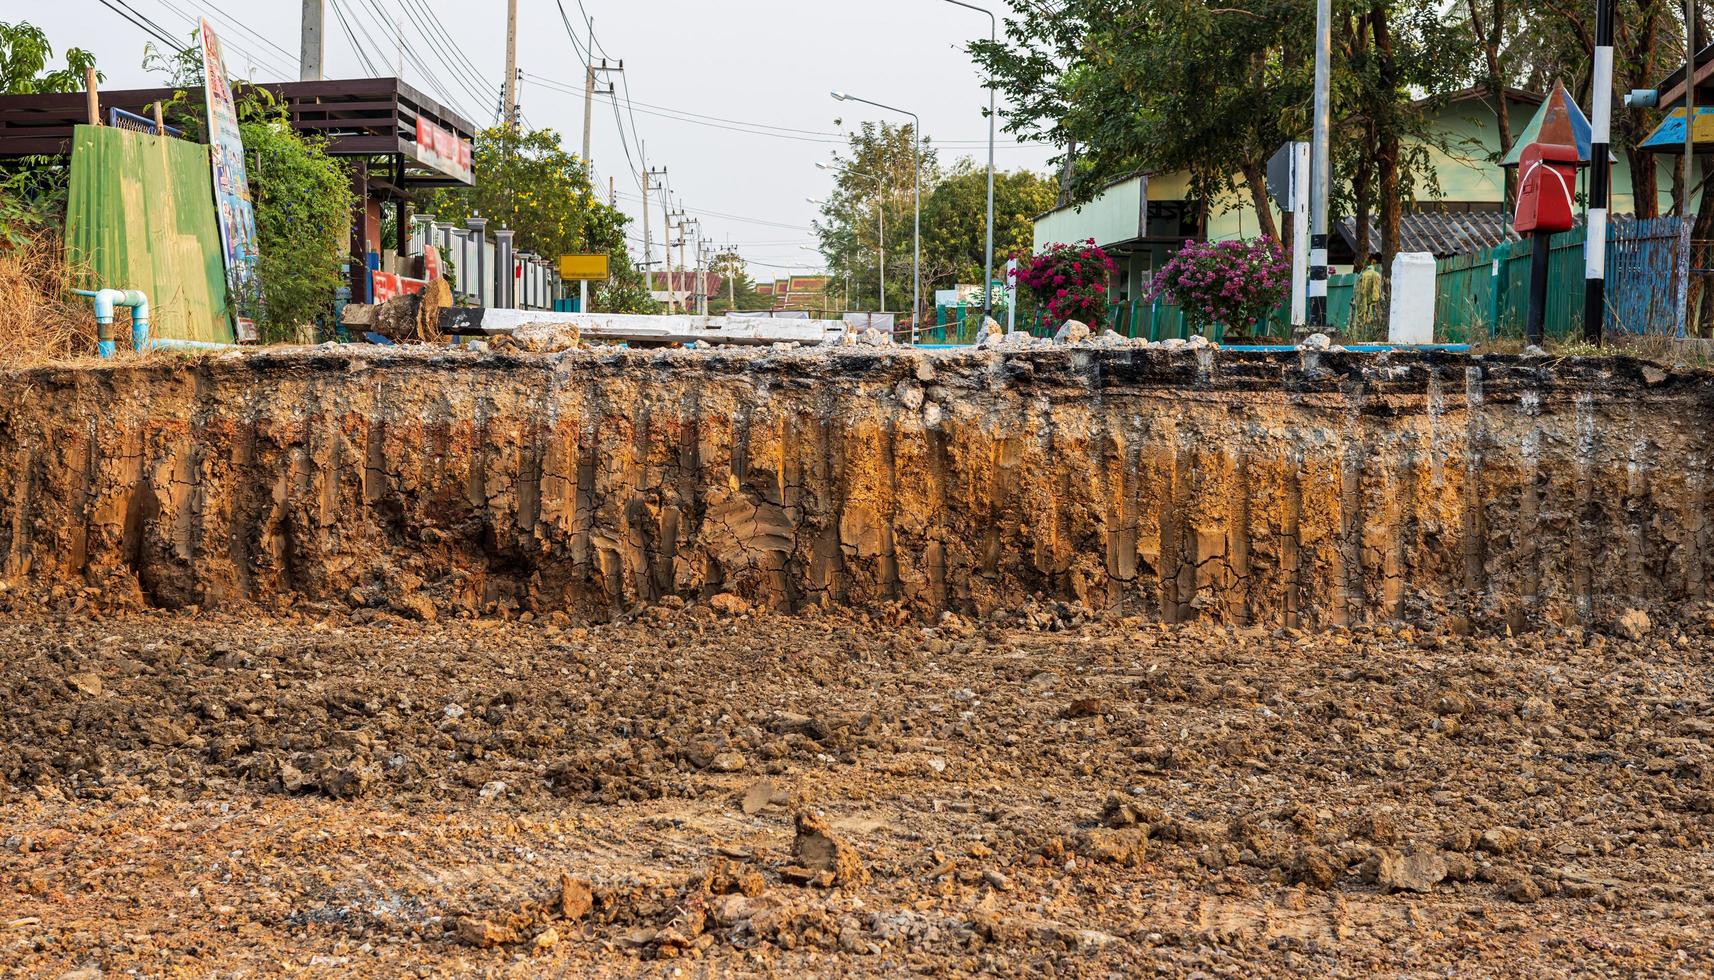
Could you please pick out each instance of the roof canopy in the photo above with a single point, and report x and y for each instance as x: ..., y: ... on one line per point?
x: 1557, y: 121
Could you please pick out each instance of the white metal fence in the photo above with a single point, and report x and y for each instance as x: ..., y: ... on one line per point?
x: 470, y: 259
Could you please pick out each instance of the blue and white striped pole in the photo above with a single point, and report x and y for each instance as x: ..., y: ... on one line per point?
x: 1600, y: 127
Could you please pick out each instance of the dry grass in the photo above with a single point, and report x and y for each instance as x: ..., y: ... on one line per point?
x: 40, y: 320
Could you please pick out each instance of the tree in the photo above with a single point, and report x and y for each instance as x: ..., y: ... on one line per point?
x: 739, y: 290
x: 24, y: 56
x: 33, y: 190
x: 954, y: 221
x: 528, y: 182
x: 627, y: 288
x: 1161, y: 86
x: 877, y: 175
x: 1212, y: 89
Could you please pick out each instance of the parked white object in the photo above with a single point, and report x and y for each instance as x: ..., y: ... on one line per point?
x: 1411, y: 320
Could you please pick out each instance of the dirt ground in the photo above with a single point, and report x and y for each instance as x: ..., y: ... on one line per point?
x: 705, y: 791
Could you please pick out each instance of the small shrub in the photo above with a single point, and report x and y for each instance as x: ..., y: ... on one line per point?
x: 1233, y: 284
x: 303, y: 200
x: 1069, y: 282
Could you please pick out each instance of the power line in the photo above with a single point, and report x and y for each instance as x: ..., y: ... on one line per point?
x: 462, y: 71
x: 290, y: 56
x: 356, y: 48
x: 735, y: 217
x: 781, y: 132
x: 141, y: 22
x: 195, y: 23
x: 430, y: 76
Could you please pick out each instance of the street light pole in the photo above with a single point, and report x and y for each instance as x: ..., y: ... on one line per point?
x: 916, y: 194
x: 881, y: 232
x: 988, y: 252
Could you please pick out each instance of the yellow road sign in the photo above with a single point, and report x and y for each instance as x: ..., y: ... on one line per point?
x: 591, y: 267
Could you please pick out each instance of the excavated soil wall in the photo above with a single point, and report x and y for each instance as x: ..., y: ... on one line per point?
x: 1293, y: 489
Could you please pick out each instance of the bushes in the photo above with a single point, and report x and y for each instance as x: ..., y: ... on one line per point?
x: 1069, y: 282
x: 303, y: 201
x: 1234, y: 284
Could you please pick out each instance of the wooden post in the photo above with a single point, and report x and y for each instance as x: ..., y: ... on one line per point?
x: 160, y: 121
x: 94, y: 99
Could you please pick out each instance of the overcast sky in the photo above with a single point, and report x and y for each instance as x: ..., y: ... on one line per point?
x: 760, y: 63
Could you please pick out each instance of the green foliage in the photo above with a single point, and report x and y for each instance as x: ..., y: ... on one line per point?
x: 24, y: 56
x: 527, y: 182
x: 33, y: 189
x: 1212, y: 89
x: 741, y: 293
x: 955, y: 215
x: 303, y: 201
x: 1069, y: 282
x: 1229, y: 283
x: 875, y: 183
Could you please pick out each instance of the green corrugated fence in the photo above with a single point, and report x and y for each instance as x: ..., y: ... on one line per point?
x: 140, y: 215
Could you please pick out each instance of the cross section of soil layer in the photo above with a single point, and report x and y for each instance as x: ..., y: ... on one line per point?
x: 1295, y: 489
x: 687, y: 792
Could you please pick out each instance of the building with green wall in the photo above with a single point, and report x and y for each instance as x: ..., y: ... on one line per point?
x: 1143, y: 218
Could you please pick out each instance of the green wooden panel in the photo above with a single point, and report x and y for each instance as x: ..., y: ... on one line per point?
x: 140, y: 215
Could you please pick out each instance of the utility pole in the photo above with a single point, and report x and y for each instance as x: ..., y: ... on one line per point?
x: 667, y: 247
x: 310, y: 43
x: 1600, y: 131
x: 588, y: 89
x: 648, y: 243
x: 1320, y: 165
x: 1684, y: 218
x: 511, y: 108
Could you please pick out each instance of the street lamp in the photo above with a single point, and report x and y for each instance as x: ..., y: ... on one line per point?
x: 916, y: 194
x: 988, y: 253
x: 881, y: 212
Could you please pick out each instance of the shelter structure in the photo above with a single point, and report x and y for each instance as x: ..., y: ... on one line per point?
x: 399, y: 140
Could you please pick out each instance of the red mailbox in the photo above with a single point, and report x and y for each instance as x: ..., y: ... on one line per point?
x: 1547, y: 186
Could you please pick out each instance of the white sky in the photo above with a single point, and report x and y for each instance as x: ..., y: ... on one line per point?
x: 768, y: 62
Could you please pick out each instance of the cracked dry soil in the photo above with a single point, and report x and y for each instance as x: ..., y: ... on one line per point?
x: 701, y: 790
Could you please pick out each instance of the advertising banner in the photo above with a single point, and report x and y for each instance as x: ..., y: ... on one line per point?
x: 231, y: 187
x: 441, y: 149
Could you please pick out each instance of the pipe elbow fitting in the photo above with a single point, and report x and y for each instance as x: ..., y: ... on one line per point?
x: 105, y: 301
x: 139, y: 303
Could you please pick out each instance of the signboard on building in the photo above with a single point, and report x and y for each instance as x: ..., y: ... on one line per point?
x: 591, y: 267
x: 231, y: 187
x: 441, y: 149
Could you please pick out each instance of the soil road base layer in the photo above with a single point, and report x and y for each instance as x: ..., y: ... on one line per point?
x: 700, y: 790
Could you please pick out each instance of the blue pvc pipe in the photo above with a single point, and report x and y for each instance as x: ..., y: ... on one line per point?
x: 105, y: 301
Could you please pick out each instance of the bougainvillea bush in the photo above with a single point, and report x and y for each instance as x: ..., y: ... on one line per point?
x: 1069, y: 282
x: 1235, y: 284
